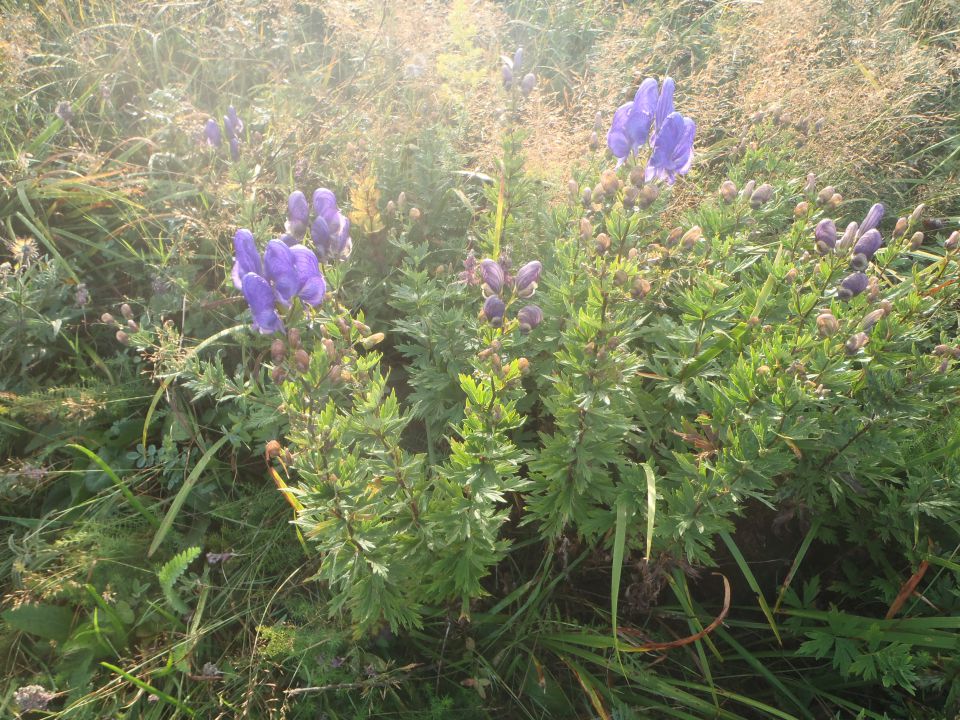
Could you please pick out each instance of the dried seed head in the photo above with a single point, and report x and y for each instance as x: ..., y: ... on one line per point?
x: 620, y: 277
x: 674, y: 237
x: 761, y: 196
x: 827, y: 324
x: 633, y: 253
x: 728, y: 191
x: 886, y: 306
x: 523, y: 365
x: 753, y: 321
x: 273, y: 449
x: 278, y: 350
x: 598, y: 193
x: 873, y: 289
x: 373, y: 340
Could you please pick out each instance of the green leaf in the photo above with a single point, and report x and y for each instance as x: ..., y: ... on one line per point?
x: 51, y: 622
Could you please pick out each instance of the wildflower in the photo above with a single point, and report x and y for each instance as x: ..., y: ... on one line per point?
x: 872, y: 220
x: 212, y: 133
x: 288, y: 270
x: 852, y: 285
x: 672, y: 150
x: 527, y: 277
x: 848, y: 237
x: 518, y: 59
x: 492, y: 275
x: 529, y: 316
x: 330, y: 231
x: 528, y: 83
x: 313, y: 286
x: 493, y: 309
x: 24, y: 250
x: 232, y: 123
x: 864, y: 249
x: 246, y: 257
x: 507, y: 75
x: 827, y: 324
x: 728, y: 191
x: 32, y: 697
x: 298, y: 214
x: 916, y: 240
x: 824, y: 196
x: 761, y: 195
x: 632, y: 121
x: 826, y: 236
x: 856, y: 343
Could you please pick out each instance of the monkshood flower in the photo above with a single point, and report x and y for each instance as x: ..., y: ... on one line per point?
x: 826, y: 236
x: 246, y: 257
x: 518, y: 60
x: 632, y: 122
x: 665, y: 102
x: 232, y: 123
x: 872, y: 220
x: 865, y: 248
x: 507, y: 74
x: 525, y: 282
x: 528, y: 83
x: 212, y: 133
x: 260, y: 298
x: 529, y: 316
x: 298, y: 215
x: 493, y: 310
x: 331, y: 228
x: 492, y: 275
x: 672, y: 149
x: 852, y: 285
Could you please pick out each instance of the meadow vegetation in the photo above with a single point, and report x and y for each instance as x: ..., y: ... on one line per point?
x: 523, y: 433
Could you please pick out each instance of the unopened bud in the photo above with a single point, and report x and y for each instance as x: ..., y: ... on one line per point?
x: 747, y: 190
x: 293, y: 337
x: 329, y: 348
x: 610, y: 182
x: 573, y: 190
x: 900, y: 228
x: 856, y: 342
x: 302, y: 359
x: 633, y: 253
x: 834, y: 201
x: 761, y: 195
x: 603, y: 242
x: 272, y: 450
x: 335, y: 374
x: 415, y: 214
x: 953, y: 242
x: 630, y: 196
x: 824, y: 196
x: 126, y: 311
x: 728, y: 191
x: 640, y: 288
x: 691, y: 237
x: 278, y: 374
x: 753, y: 321
x: 648, y: 195
x: 827, y: 324
x: 598, y: 121
x: 373, y: 340
x: 763, y: 370
x: 886, y: 306
x: 107, y: 318
x: 594, y: 141
x: 916, y: 240
x: 620, y: 278
x: 278, y: 350
x: 636, y: 176
x: 791, y: 276
x: 811, y: 186
x: 598, y: 193
x: 123, y: 338
x: 523, y: 365
x: 917, y: 213
x: 801, y: 209
x: 873, y: 289
x: 586, y: 229
x: 132, y: 324
x: 586, y: 197
x: 391, y: 208
x: 872, y: 318
x: 401, y: 201
x: 848, y: 238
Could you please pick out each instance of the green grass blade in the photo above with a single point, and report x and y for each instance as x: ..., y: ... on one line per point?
x: 751, y: 581
x: 127, y: 493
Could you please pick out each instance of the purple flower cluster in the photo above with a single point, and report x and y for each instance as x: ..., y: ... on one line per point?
x: 650, y: 119
x: 330, y: 229
x: 511, y: 71
x: 866, y: 240
x: 233, y: 126
x: 495, y: 280
x: 280, y: 275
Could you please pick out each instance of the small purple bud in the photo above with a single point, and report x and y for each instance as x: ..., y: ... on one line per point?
x: 826, y: 236
x: 234, y: 149
x: 864, y: 249
x: 518, y: 60
x: 492, y: 275
x: 320, y: 234
x: 872, y: 220
x: 298, y: 214
x: 846, y: 242
x: 232, y: 122
x: 528, y: 83
x: 212, y: 132
x: 529, y: 316
x: 527, y: 278
x: 507, y: 74
x: 493, y: 310
x: 852, y: 285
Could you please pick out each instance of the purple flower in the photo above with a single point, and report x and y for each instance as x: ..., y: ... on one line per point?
x: 632, y: 121
x: 260, y: 298
x: 281, y: 270
x: 527, y: 277
x: 672, y: 149
x: 232, y: 123
x: 492, y: 275
x: 325, y: 204
x: 852, y: 285
x: 507, y: 75
x: 235, y: 148
x: 529, y: 316
x: 212, y: 132
x: 826, y: 236
x: 493, y: 310
x: 665, y: 102
x: 528, y: 83
x: 518, y: 60
x: 246, y: 257
x: 872, y: 220
x: 298, y: 214
x: 331, y: 228
x: 312, y: 284
x: 866, y: 246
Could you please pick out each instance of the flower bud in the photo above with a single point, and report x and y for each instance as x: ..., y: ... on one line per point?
x: 529, y: 317
x: 123, y: 338
x: 523, y: 365
x: 856, y: 342
x: 603, y: 242
x: 674, y: 237
x: 761, y: 195
x: 293, y: 337
x: 865, y: 248
x: 640, y: 287
x: 636, y: 176
x: 791, y: 277
x: 506, y: 74
x: 107, y: 319
x: 609, y: 182
x: 278, y: 350
x: 633, y: 253
x: 573, y: 190
x: 598, y: 193
x: 373, y: 340
x: 916, y: 240
x: 827, y: 324
x: 763, y: 370
x: 917, y: 213
x: 492, y: 275
x: 747, y: 190
x: 826, y: 236
x: 401, y: 201
x: 493, y: 310
x: 329, y: 348
x: 823, y: 197
x: 630, y: 196
x: 620, y: 278
x: 594, y: 142
x: 278, y: 374
x: 801, y: 209
x: 302, y: 358
x: 335, y: 374
x: 900, y: 228
x: 872, y: 219
x: 586, y: 197
x: 872, y: 318
x: 527, y: 277
x: 691, y: 237
x: 391, y: 208
x: 415, y: 214
x: 849, y: 235
x: 728, y: 191
x: 528, y: 83
x: 873, y: 289
x: 586, y: 229
x: 811, y: 186
x: 648, y: 195
x: 852, y: 285
x: 834, y: 201
x: 952, y: 242
x: 126, y: 311
x: 132, y: 324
